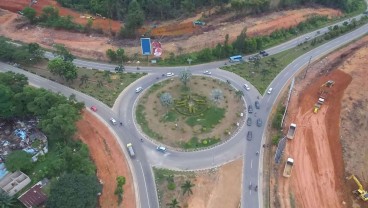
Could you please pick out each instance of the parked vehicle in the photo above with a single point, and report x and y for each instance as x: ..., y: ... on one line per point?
x: 291, y: 131
x: 288, y: 167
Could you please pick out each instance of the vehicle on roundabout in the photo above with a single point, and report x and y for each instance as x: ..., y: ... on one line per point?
x: 269, y: 91
x: 259, y: 122
x: 258, y: 106
x: 249, y: 121
x: 161, y: 149
x: 249, y: 136
x: 113, y: 121
x: 250, y: 109
x: 246, y: 87
x: 207, y: 72
x: 138, y: 90
x: 169, y: 74
x: 93, y: 108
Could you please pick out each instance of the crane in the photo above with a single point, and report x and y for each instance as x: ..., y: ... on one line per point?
x: 363, y: 194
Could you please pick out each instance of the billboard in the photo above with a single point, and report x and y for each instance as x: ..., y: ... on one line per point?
x: 156, y: 48
x: 146, y: 46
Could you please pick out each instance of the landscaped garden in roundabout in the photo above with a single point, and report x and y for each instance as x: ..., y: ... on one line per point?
x: 190, y: 112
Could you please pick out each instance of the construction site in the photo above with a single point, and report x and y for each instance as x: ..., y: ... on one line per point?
x: 326, y: 130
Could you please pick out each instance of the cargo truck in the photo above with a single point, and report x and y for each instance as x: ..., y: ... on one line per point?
x: 291, y: 131
x: 288, y: 167
x: 130, y: 150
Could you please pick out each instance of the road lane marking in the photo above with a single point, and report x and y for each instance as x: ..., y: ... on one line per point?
x: 145, y: 184
x: 251, y: 164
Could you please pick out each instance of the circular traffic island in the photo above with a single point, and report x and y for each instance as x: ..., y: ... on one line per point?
x: 190, y: 113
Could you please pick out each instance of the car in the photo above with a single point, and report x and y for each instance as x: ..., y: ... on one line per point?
x: 246, y: 87
x: 113, y: 121
x: 269, y: 91
x: 138, y: 90
x: 259, y: 122
x: 207, y: 72
x: 265, y: 54
x: 249, y: 136
x: 94, y: 108
x: 161, y: 148
x: 169, y: 74
x: 250, y: 109
x: 258, y: 106
x: 249, y: 121
x: 262, y: 52
x: 307, y: 38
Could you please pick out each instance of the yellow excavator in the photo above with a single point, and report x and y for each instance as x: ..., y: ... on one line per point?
x: 360, y: 192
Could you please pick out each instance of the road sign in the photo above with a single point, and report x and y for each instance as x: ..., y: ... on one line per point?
x: 146, y: 46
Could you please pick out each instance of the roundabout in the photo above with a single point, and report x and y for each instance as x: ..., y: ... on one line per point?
x: 203, y: 112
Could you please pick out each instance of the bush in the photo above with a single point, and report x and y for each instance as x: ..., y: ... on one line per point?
x: 171, y: 186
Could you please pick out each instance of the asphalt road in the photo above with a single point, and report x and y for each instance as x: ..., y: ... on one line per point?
x: 238, y: 146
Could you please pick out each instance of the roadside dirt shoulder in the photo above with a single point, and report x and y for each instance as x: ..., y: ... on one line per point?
x: 109, y: 160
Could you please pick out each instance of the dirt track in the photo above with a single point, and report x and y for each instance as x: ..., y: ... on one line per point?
x: 109, y: 159
x: 318, y: 177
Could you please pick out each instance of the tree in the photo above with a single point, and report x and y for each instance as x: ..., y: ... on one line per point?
x: 43, y: 101
x: 84, y: 79
x: 14, y: 81
x: 74, y: 190
x: 6, y: 102
x: 6, y: 201
x: 35, y: 50
x: 185, y: 76
x: 239, y: 94
x: 21, y: 101
x: 273, y: 62
x: 120, y: 55
x: 264, y: 72
x: 166, y: 99
x: 135, y: 16
x: 63, y: 53
x: 19, y: 160
x: 59, y: 122
x: 217, y: 96
x: 173, y: 204
x: 30, y: 14
x: 119, y: 191
x: 257, y: 63
x: 187, y: 187
x: 111, y: 54
x: 65, y: 69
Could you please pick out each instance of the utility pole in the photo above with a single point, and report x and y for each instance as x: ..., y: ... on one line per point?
x: 306, y: 70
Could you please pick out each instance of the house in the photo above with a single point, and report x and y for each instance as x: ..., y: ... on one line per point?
x: 12, y: 183
x: 34, y: 197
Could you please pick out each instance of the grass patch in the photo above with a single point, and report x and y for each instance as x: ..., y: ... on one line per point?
x: 208, y: 119
x: 141, y: 120
x: 102, y: 85
x: 194, y: 143
x: 170, y: 116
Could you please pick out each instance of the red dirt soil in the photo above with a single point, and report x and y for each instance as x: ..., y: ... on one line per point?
x: 17, y: 5
x: 109, y: 159
x: 318, y: 175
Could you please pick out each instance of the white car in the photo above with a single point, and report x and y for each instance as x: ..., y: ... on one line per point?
x: 207, y: 72
x: 138, y: 90
x: 269, y: 91
x: 113, y: 121
x: 169, y: 74
x: 246, y: 87
x: 161, y: 148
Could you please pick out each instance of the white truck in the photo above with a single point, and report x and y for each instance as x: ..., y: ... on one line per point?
x: 291, y: 131
x: 288, y: 167
x: 130, y: 150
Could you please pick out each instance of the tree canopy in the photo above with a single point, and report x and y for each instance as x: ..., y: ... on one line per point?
x: 74, y: 190
x: 19, y: 160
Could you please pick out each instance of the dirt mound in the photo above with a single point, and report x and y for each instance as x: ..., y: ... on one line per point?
x: 109, y: 159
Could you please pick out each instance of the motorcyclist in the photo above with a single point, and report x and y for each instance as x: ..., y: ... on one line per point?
x: 257, y: 153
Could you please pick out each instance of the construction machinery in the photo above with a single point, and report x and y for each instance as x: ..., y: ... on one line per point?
x: 360, y: 192
x: 323, y: 94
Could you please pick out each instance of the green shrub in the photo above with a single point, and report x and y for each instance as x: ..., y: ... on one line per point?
x: 171, y: 186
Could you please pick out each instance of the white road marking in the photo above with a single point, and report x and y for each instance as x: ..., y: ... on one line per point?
x: 145, y: 184
x: 251, y: 164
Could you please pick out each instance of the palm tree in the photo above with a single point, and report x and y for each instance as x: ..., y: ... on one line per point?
x: 173, y: 204
x: 217, y: 96
x: 84, y: 79
x: 185, y: 76
x: 239, y: 94
x: 187, y: 187
x: 5, y: 200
